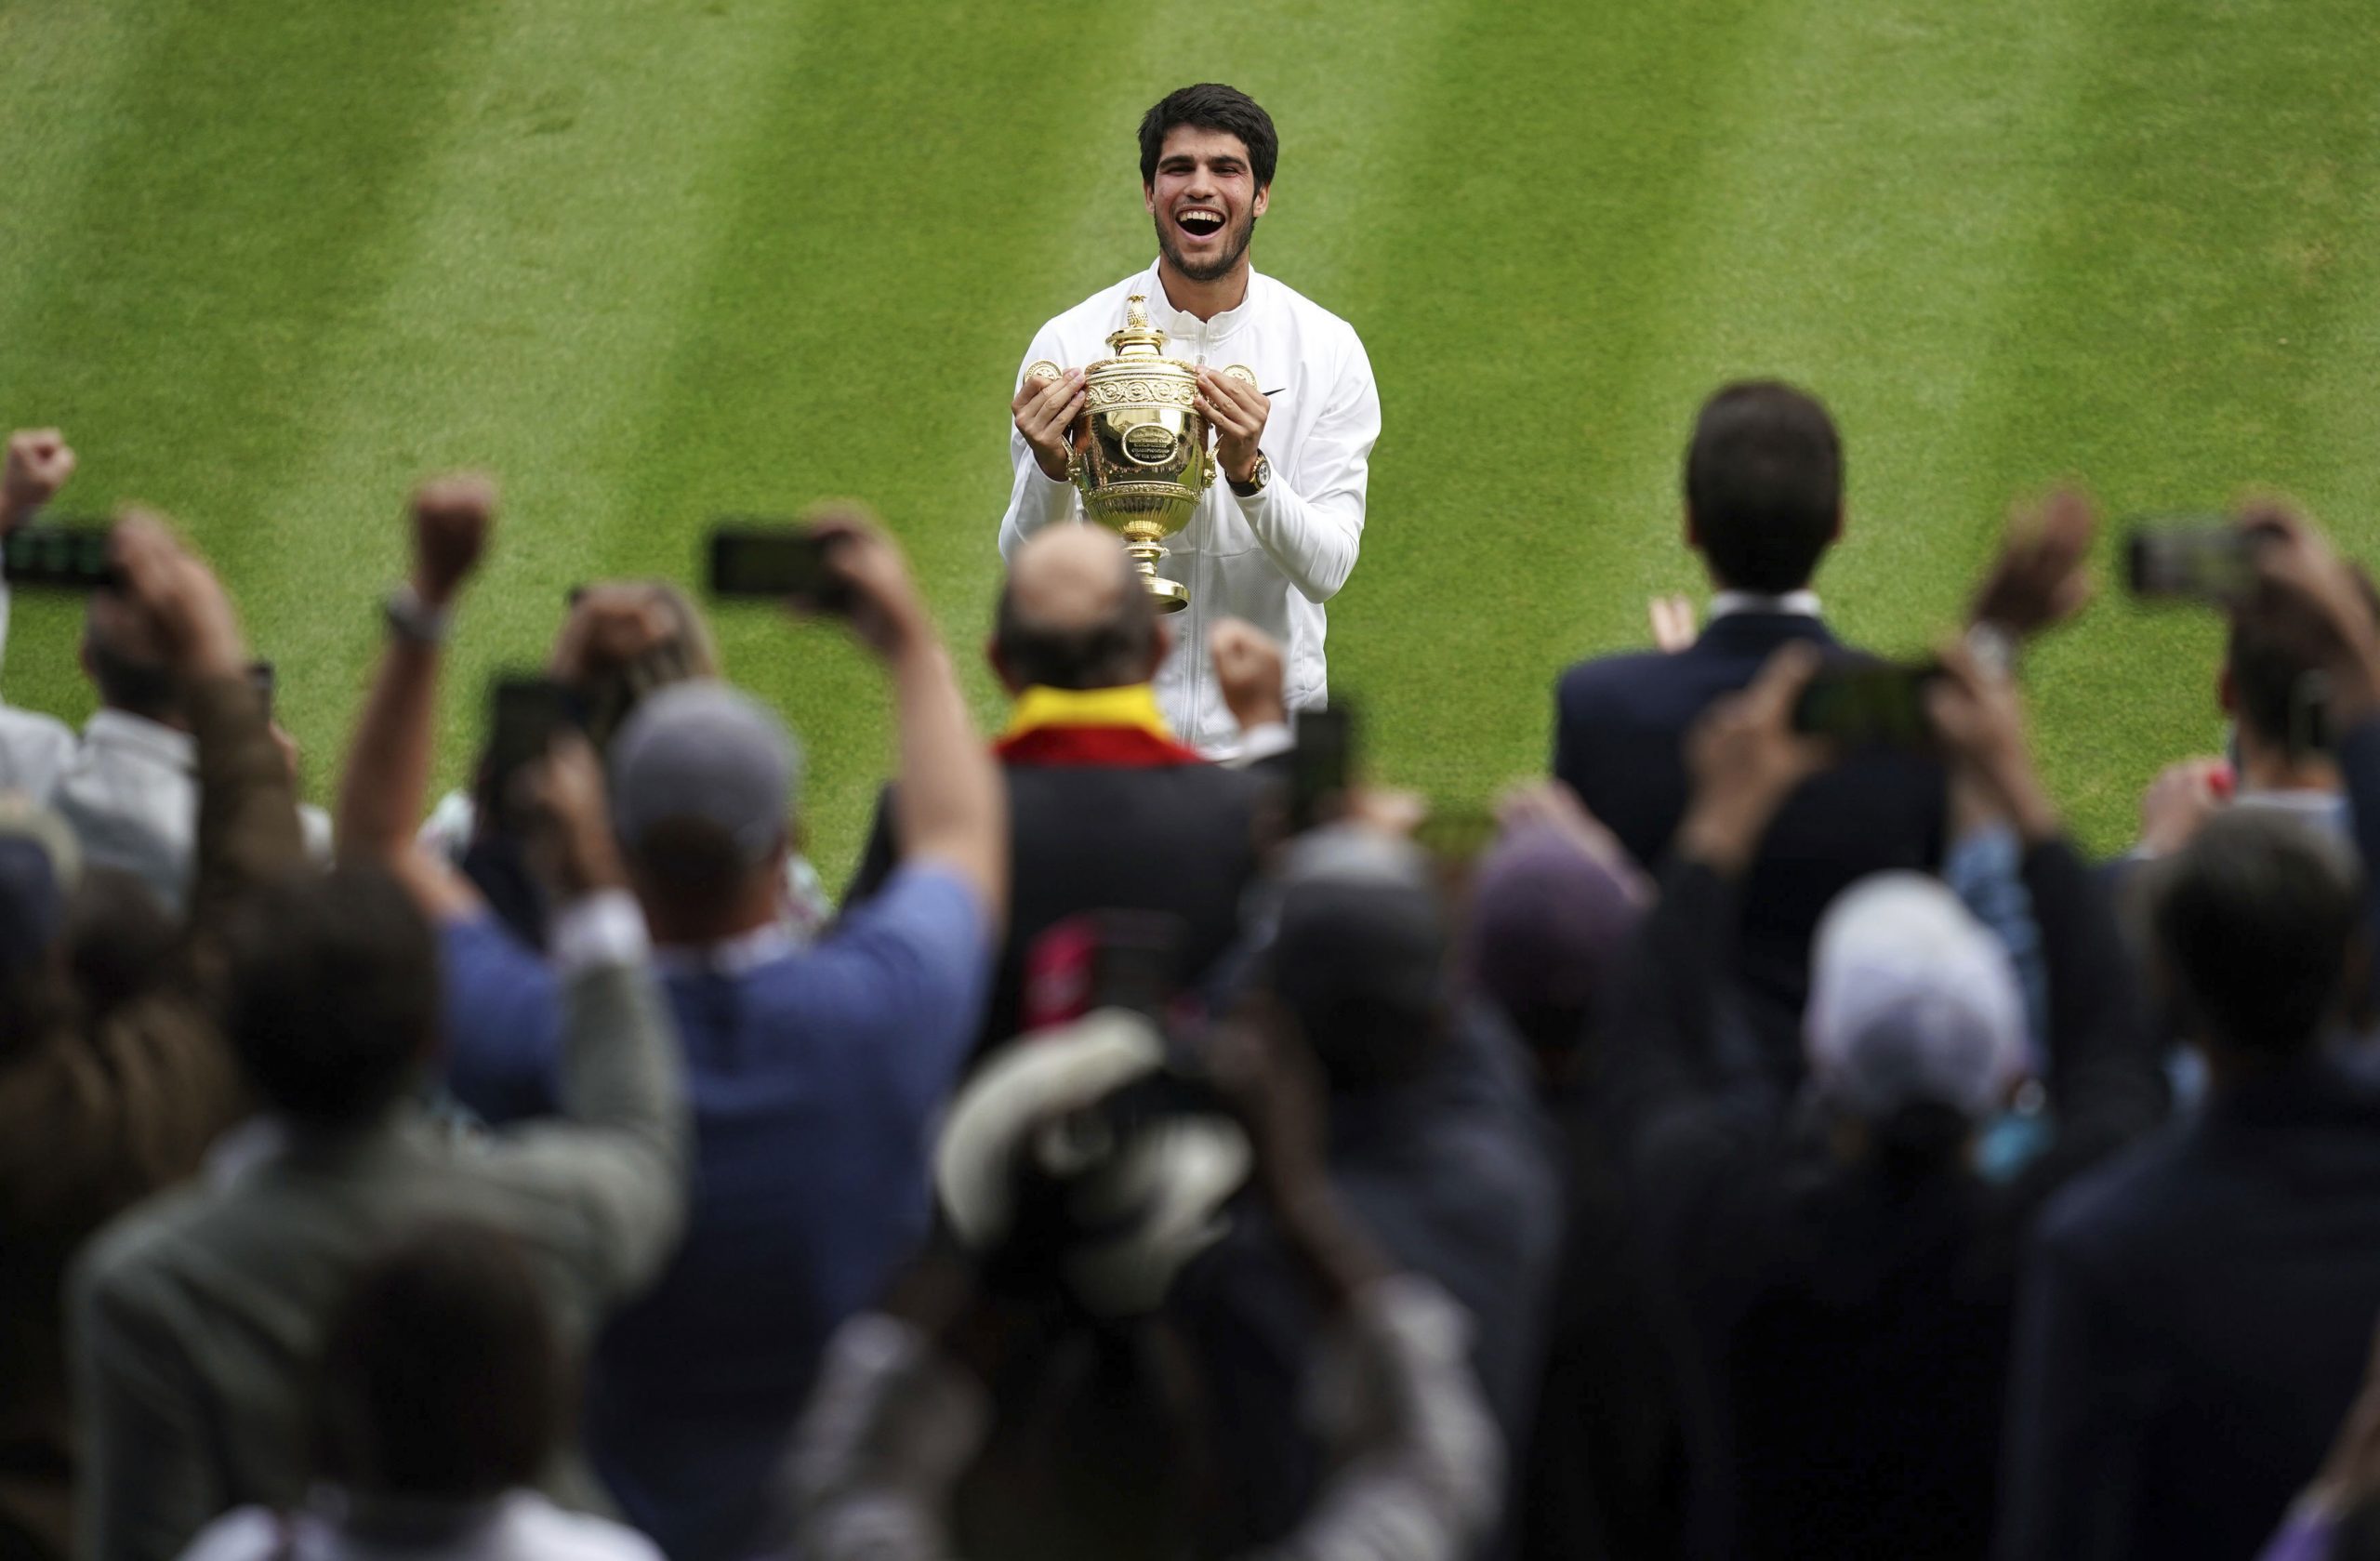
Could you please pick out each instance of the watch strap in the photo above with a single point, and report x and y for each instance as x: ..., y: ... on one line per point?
x: 412, y: 618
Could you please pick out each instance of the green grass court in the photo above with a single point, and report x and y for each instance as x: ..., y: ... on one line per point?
x: 654, y: 260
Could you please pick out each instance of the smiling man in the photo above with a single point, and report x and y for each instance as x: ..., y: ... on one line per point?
x: 1277, y: 536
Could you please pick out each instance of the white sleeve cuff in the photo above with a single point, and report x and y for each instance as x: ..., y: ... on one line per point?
x: 606, y: 928
x: 1263, y: 742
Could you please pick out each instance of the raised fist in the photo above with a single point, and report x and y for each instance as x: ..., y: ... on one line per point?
x: 451, y: 516
x: 38, y: 463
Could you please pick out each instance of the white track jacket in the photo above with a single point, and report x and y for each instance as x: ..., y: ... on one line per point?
x: 1275, y: 559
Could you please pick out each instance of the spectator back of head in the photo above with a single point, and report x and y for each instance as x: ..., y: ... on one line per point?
x: 332, y: 993
x: 702, y: 779
x: 441, y: 1379
x: 1913, y: 1003
x: 2269, y: 656
x: 1073, y: 615
x: 1547, y: 919
x: 1359, y: 955
x: 2256, y: 925
x: 1764, y: 487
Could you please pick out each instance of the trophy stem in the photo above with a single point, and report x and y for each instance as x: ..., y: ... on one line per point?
x: 1172, y: 595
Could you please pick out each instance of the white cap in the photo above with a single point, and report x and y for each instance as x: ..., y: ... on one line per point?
x: 1912, y: 1001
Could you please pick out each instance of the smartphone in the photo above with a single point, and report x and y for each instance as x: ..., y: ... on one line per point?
x: 2191, y: 558
x: 525, y: 716
x: 261, y: 678
x: 1320, y: 763
x: 1869, y: 706
x: 62, y: 555
x: 772, y: 561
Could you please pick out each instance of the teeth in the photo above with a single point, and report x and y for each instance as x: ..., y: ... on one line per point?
x: 1195, y: 214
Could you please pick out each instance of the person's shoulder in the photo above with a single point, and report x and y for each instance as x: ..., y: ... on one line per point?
x: 2113, y: 1212
x: 1601, y: 678
x: 1309, y: 314
x: 140, y: 1250
x: 535, y: 1526
x: 20, y: 727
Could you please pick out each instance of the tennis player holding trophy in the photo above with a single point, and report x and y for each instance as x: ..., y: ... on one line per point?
x: 1219, y: 421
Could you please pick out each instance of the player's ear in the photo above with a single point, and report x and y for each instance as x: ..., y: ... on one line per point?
x: 1148, y: 197
x: 1263, y: 199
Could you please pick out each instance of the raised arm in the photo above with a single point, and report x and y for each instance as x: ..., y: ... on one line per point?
x: 382, y: 794
x: 620, y: 1151
x: 2302, y: 579
x: 247, y: 805
x: 37, y: 463
x: 2103, y: 1070
x: 1309, y: 519
x: 951, y: 807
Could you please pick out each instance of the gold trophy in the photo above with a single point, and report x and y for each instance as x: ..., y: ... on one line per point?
x: 1140, y: 447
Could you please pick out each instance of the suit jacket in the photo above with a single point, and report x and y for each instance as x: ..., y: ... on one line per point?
x: 198, y: 1317
x: 2197, y: 1319
x: 98, y: 1115
x: 1620, y: 736
x: 1178, y: 840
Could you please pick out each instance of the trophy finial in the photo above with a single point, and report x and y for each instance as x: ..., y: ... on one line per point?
x: 1138, y: 338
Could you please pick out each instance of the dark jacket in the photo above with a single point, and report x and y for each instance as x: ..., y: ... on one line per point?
x: 1844, y: 1375
x: 1177, y: 839
x: 1453, y: 1174
x: 93, y: 1118
x: 2196, y: 1321
x: 1620, y: 742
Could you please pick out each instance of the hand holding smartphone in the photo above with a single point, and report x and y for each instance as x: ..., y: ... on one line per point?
x: 526, y: 715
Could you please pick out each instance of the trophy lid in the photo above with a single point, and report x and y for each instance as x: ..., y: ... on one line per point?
x: 1138, y: 338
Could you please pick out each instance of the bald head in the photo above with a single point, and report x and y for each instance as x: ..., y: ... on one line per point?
x: 1074, y: 614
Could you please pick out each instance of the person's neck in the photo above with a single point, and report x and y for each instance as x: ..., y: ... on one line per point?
x: 2275, y: 769
x: 707, y: 922
x: 1204, y: 300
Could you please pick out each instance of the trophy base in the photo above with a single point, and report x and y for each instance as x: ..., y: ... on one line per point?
x: 1171, y: 596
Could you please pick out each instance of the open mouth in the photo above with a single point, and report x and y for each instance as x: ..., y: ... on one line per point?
x: 1199, y: 222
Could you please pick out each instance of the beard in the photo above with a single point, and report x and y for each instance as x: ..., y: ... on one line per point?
x: 1235, y: 241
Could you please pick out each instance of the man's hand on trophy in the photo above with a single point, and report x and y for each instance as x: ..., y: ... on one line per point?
x: 1236, y: 410
x: 1046, y: 409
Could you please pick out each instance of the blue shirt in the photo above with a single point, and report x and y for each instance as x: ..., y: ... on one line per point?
x: 816, y: 1078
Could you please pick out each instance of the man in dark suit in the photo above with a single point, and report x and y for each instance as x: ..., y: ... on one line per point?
x: 1108, y: 812
x: 1763, y: 501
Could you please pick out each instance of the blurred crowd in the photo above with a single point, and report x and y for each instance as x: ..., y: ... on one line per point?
x: 1773, y: 1137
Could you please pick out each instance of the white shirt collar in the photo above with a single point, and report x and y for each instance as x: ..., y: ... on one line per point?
x: 1793, y: 603
x: 120, y: 729
x: 740, y: 954
x: 1180, y: 325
